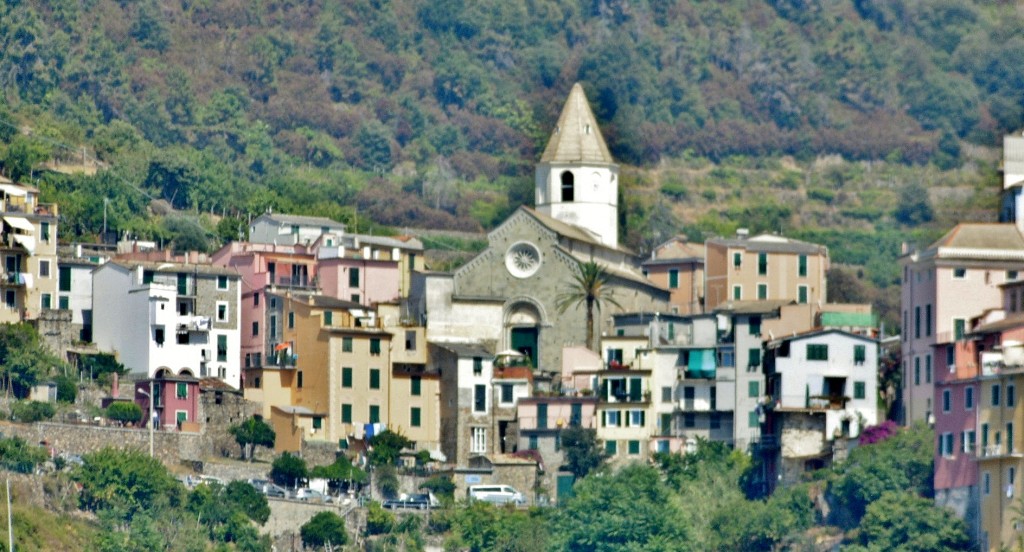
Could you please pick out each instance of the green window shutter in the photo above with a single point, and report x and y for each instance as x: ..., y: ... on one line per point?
x: 374, y: 414
x: 634, y: 447
x: 318, y: 422
x: 634, y: 389
x: 762, y: 264
x: 755, y: 357
x: 346, y: 344
x: 182, y: 390
x: 604, y: 419
x: 414, y: 417
x: 737, y: 260
x: 328, y: 318
x: 542, y: 416
x: 803, y: 265
x: 673, y: 278
x: 374, y: 378
x: 375, y: 346
x: 414, y: 385
x: 753, y: 389
x: 858, y: 390
x: 611, y: 448
x: 859, y: 354
x: 64, y: 275
x: 346, y: 377
x: 346, y: 413
x: 752, y: 420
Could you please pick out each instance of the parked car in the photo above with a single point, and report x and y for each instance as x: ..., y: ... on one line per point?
x: 415, y: 501
x: 496, y: 494
x: 268, y: 488
x: 311, y: 495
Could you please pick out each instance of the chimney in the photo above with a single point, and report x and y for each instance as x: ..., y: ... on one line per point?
x: 742, y: 233
x: 114, y: 392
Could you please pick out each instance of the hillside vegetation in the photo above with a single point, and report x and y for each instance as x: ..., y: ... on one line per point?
x: 811, y: 118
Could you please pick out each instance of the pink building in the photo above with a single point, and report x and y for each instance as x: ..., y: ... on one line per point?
x: 177, y: 401
x: 944, y: 286
x: 957, y: 397
x: 360, y: 280
x: 265, y: 266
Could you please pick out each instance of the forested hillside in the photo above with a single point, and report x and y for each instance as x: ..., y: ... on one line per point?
x: 784, y: 115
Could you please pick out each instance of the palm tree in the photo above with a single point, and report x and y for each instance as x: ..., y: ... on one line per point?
x: 590, y: 288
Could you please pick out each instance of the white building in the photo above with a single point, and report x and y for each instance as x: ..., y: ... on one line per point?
x: 295, y: 230
x: 182, y: 318
x: 576, y: 179
x: 822, y: 388
x: 74, y: 288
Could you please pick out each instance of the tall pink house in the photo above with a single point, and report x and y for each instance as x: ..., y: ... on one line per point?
x: 955, y: 279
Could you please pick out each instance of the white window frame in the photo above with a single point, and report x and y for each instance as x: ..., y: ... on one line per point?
x: 227, y: 311
x: 636, y: 418
x: 478, y: 440
x: 227, y: 283
x: 969, y: 439
x: 946, y: 444
x: 609, y: 414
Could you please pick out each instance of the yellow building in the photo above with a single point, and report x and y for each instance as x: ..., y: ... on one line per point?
x: 415, y: 390
x: 1000, y: 456
x: 28, y: 240
x: 764, y: 267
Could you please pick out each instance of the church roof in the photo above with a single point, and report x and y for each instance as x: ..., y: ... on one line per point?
x: 577, y: 138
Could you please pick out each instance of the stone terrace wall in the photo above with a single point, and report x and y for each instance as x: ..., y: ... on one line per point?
x: 169, y: 447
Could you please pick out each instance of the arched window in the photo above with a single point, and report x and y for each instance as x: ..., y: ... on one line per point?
x: 567, y: 186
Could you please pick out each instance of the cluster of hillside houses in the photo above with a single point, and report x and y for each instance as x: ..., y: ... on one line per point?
x: 339, y: 336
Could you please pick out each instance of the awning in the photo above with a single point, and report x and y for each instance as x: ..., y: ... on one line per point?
x: 13, y: 190
x: 28, y: 242
x: 20, y: 223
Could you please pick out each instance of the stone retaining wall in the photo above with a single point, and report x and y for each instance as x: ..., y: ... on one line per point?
x: 169, y: 447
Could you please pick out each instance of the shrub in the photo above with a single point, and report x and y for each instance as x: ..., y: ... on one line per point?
x: 387, y: 481
x: 324, y: 528
x: 67, y: 389
x: 31, y: 411
x: 378, y: 520
x: 124, y: 412
x: 19, y: 456
x: 440, y: 485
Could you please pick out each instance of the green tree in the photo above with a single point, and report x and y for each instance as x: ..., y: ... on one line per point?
x: 481, y: 526
x: 19, y: 456
x: 903, y: 461
x: 252, y: 433
x: 590, y: 288
x: 904, y: 522
x: 245, y: 498
x: 67, y: 389
x: 126, y: 482
x: 324, y: 529
x: 340, y: 473
x: 23, y: 358
x: 582, y: 452
x: 628, y: 510
x: 386, y: 447
x: 101, y: 364
x: 124, y: 412
x: 913, y: 208
x: 288, y: 470
x: 442, y: 486
x: 378, y: 520
x: 23, y: 154
x: 386, y: 477
x: 32, y: 411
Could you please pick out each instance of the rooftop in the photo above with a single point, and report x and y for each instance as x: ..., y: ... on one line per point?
x: 577, y: 137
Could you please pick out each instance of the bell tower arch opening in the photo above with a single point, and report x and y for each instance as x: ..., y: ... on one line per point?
x: 568, y: 186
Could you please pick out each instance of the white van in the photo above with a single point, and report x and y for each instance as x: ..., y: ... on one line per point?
x: 496, y: 494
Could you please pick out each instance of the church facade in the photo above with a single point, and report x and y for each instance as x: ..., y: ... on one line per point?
x: 532, y: 257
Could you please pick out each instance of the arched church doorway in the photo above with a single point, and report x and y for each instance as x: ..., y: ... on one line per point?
x: 524, y: 321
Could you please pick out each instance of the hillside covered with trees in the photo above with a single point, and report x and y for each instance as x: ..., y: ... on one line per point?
x: 858, y: 124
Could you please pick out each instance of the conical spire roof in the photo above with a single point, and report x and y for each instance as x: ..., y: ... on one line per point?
x: 577, y: 138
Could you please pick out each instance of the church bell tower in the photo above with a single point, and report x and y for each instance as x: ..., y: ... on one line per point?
x: 577, y: 182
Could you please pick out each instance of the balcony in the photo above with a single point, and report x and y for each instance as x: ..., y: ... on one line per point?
x: 16, y: 279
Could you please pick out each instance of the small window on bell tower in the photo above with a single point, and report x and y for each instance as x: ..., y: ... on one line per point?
x: 567, y: 186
